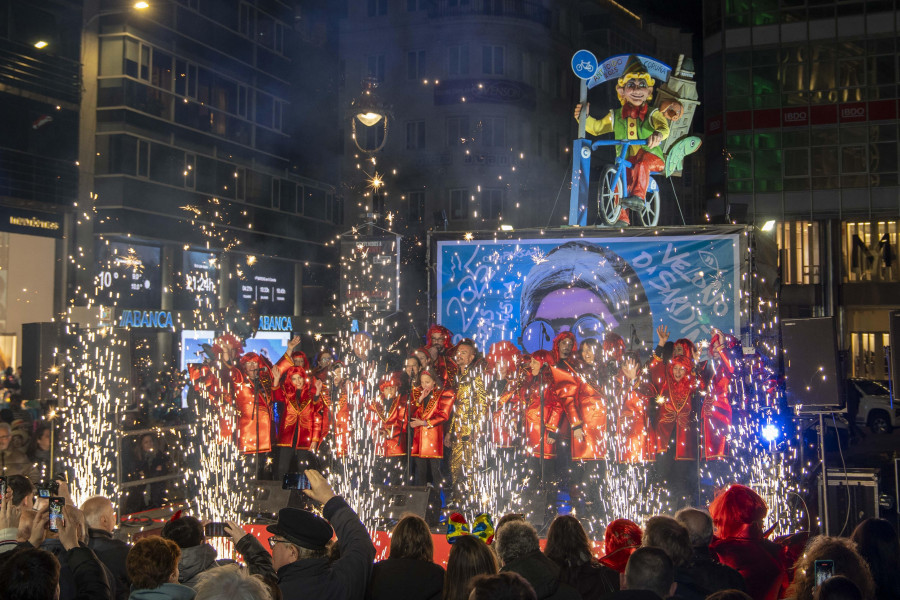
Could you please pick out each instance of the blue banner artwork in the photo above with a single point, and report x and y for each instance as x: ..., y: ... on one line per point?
x: 528, y: 291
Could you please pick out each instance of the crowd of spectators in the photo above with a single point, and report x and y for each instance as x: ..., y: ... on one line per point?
x: 720, y: 554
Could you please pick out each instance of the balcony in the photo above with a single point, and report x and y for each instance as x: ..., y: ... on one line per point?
x: 51, y: 76
x: 509, y: 9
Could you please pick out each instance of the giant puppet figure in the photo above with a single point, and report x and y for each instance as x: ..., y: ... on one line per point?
x: 635, y: 120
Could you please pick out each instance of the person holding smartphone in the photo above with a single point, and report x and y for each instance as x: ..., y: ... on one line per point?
x: 299, y: 561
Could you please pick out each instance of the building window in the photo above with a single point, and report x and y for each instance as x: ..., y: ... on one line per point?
x: 415, y: 135
x: 375, y: 67
x: 870, y: 251
x: 798, y: 249
x: 246, y: 19
x: 377, y: 8
x: 457, y: 130
x: 415, y: 64
x: 491, y: 204
x: 492, y: 60
x: 416, y: 209
x: 459, y: 205
x: 493, y: 132
x: 143, y: 158
x: 458, y: 60
x: 414, y: 5
x: 190, y: 170
x: 870, y: 352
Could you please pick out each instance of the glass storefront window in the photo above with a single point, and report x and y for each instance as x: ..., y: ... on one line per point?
x: 824, y: 160
x: 796, y: 162
x: 853, y: 159
x: 798, y: 245
x: 870, y: 251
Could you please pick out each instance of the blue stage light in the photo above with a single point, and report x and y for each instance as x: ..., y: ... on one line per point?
x: 770, y: 432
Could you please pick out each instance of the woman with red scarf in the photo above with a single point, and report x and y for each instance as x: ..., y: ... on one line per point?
x: 302, y: 426
x: 431, y: 404
x: 387, y: 415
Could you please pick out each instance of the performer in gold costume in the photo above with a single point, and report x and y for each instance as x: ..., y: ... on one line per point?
x: 470, y: 427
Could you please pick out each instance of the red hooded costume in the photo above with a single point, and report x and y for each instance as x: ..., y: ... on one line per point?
x: 304, y: 415
x: 557, y: 388
x: 586, y: 409
x: 434, y: 408
x: 337, y: 411
x: 621, y: 539
x: 716, y: 420
x: 635, y: 439
x: 676, y: 410
x: 389, y: 420
x: 506, y: 416
x: 443, y: 364
x: 254, y: 402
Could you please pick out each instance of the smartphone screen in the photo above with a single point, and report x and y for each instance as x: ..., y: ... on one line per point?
x: 56, y: 507
x: 295, y: 481
x: 824, y: 571
x: 215, y: 530
x: 44, y: 493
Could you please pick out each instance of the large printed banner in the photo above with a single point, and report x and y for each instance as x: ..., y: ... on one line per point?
x: 528, y: 291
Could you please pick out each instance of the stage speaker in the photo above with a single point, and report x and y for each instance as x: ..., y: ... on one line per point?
x: 811, y: 364
x: 39, y: 341
x: 852, y: 498
x: 894, y: 351
x: 397, y: 500
x: 269, y: 498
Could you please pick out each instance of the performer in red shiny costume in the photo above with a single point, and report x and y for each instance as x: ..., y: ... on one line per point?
x: 635, y: 438
x: 439, y: 346
x: 431, y: 405
x: 716, y: 412
x: 337, y: 415
x: 506, y: 417
x: 301, y: 428
x: 387, y: 417
x: 212, y: 380
x: 253, y: 385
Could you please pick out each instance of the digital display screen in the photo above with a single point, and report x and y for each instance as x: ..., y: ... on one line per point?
x: 128, y: 275
x: 199, y: 281
x: 268, y: 283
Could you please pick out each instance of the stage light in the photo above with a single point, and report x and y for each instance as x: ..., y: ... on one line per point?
x: 768, y: 225
x: 770, y: 432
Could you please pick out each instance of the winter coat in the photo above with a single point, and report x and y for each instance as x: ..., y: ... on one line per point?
x: 112, y: 553
x: 406, y: 578
x: 543, y: 575
x: 167, y: 591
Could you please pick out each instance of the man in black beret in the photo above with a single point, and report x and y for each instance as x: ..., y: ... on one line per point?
x: 298, y: 548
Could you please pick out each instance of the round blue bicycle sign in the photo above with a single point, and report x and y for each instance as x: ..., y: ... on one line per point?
x: 584, y: 64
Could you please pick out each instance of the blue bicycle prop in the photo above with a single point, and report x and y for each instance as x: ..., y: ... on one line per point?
x: 676, y: 100
x: 613, y: 194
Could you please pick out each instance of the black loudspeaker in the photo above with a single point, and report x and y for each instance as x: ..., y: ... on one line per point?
x: 398, y: 500
x: 269, y: 498
x: 852, y: 498
x: 894, y: 352
x: 811, y: 364
x: 39, y: 342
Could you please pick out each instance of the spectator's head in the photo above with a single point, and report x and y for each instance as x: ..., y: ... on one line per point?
x: 469, y: 556
x: 231, y: 582
x: 22, y: 490
x: 31, y: 574
x: 567, y: 542
x: 649, y: 569
x: 847, y: 562
x: 622, y: 537
x: 738, y: 512
x: 671, y: 537
x: 698, y: 524
x: 298, y: 535
x: 502, y: 586
x: 5, y: 435
x: 40, y: 440
x: 411, y: 539
x: 185, y: 531
x: 838, y: 588
x: 515, y: 540
x: 876, y: 541
x: 151, y: 562
x: 508, y: 518
x: 729, y: 595
x: 99, y: 513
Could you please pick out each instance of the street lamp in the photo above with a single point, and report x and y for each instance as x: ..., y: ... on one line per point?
x: 369, y: 111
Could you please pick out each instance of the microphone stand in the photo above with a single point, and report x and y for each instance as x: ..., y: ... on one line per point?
x: 256, y: 420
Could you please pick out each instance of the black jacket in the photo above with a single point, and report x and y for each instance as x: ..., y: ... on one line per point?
x: 81, y: 575
x: 632, y: 595
x: 397, y: 578
x: 112, y: 553
x: 344, y: 579
x: 543, y: 575
x: 711, y: 575
x: 592, y: 580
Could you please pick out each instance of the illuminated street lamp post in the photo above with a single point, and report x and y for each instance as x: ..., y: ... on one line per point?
x: 372, y: 116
